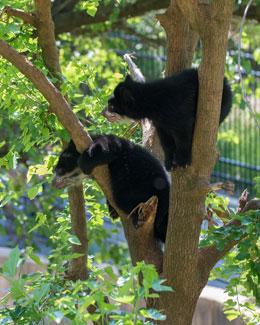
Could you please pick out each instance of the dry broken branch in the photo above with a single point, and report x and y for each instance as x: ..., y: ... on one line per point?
x: 143, y: 215
x: 140, y: 228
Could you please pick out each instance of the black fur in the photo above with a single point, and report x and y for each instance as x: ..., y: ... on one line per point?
x: 136, y: 175
x: 171, y: 104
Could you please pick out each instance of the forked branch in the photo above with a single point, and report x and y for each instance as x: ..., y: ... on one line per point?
x: 140, y: 226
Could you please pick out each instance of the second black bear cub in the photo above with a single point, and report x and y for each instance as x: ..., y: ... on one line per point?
x: 171, y: 104
x: 135, y: 174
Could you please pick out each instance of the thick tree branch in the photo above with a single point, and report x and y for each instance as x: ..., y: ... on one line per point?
x: 26, y: 17
x: 140, y: 230
x: 46, y: 38
x: 58, y: 103
x: 66, y: 22
x: 180, y: 254
x: 180, y: 50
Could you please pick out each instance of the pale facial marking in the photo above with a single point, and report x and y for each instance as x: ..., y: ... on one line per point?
x: 73, y: 178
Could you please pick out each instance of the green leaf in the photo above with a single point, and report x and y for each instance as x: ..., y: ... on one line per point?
x: 17, y: 289
x: 10, y: 266
x: 33, y: 191
x: 34, y: 257
x: 231, y: 314
x: 41, y: 292
x: 74, y: 240
x: 91, y: 10
x: 41, y: 220
x: 124, y: 299
x: 152, y: 313
x: 157, y: 286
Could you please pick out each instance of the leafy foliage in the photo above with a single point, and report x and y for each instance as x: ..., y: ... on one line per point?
x: 47, y: 296
x: 35, y: 216
x: 241, y: 267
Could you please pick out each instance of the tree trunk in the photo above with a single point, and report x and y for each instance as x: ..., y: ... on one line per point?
x: 183, y: 22
x: 46, y: 39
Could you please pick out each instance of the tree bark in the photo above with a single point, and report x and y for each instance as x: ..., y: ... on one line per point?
x: 184, y: 21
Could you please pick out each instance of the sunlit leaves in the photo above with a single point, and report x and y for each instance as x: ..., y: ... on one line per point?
x: 241, y: 267
x: 47, y: 296
x: 91, y: 6
x: 10, y: 265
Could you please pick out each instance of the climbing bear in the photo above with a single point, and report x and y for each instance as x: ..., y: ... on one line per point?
x: 171, y: 105
x: 136, y: 175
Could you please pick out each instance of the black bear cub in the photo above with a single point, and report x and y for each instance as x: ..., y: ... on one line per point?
x: 171, y: 105
x: 135, y: 174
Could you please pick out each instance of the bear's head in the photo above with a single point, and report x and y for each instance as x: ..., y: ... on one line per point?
x: 67, y: 171
x: 122, y: 103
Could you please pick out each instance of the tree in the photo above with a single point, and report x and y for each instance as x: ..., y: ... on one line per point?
x: 184, y: 264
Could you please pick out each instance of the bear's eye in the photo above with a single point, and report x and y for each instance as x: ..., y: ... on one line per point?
x: 110, y: 107
x: 60, y: 171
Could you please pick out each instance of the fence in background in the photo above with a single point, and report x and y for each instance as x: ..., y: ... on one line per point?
x: 239, y: 144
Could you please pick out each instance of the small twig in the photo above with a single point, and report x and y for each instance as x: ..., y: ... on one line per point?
x: 26, y: 17
x: 148, y: 130
x: 225, y: 186
x: 134, y: 70
x: 243, y: 200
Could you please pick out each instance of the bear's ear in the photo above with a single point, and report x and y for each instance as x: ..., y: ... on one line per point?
x: 71, y: 147
x: 128, y: 79
x: 126, y: 96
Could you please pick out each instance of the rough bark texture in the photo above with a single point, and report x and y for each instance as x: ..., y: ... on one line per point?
x: 46, y: 37
x: 78, y: 266
x: 184, y: 21
x: 181, y: 39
